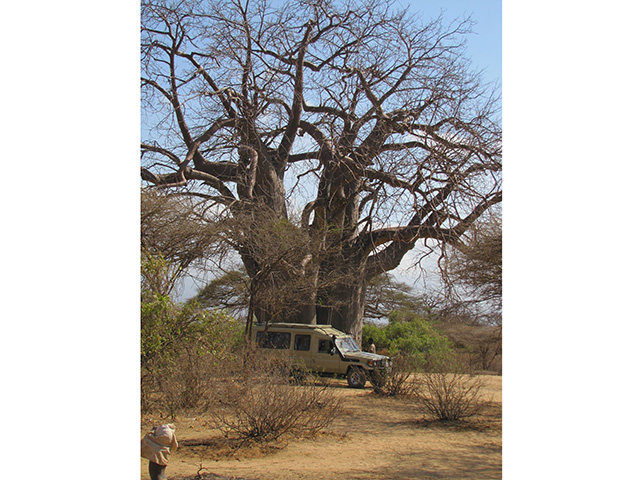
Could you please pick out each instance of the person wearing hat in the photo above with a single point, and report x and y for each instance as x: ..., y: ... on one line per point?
x: 156, y: 447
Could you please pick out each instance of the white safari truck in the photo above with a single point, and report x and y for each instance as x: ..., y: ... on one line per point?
x: 324, y: 350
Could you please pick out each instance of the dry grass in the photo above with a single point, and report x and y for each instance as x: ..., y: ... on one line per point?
x: 377, y: 438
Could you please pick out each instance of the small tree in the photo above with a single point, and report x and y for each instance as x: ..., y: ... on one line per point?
x: 468, y: 305
x: 229, y: 291
x: 472, y: 273
x: 386, y: 295
x: 176, y: 231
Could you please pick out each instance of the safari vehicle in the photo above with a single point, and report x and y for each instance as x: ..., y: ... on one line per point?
x: 325, y: 350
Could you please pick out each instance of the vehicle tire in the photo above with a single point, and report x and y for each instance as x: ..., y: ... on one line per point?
x: 356, y: 377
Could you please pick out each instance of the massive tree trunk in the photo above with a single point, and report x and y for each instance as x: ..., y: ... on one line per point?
x: 343, y: 308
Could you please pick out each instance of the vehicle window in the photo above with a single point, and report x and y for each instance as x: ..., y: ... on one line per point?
x: 302, y: 342
x: 279, y: 340
x: 347, y: 345
x: 325, y: 346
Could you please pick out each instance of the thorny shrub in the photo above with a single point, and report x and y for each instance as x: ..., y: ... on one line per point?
x: 260, y: 400
x: 399, y: 379
x: 180, y: 383
x: 448, y: 394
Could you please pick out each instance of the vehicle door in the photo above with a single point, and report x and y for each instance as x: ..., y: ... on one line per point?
x: 325, y: 356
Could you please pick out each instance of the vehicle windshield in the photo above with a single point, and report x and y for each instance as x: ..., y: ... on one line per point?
x: 346, y: 345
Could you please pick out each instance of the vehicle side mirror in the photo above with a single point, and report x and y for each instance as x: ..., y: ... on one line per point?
x: 333, y: 351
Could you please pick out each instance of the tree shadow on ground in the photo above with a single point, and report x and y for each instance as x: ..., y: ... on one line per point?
x: 222, y: 448
x: 490, y: 418
x: 476, y: 462
x: 463, y: 467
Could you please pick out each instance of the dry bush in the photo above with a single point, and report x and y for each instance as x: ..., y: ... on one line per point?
x: 450, y: 396
x: 185, y: 378
x: 399, y: 379
x: 183, y: 383
x: 260, y: 400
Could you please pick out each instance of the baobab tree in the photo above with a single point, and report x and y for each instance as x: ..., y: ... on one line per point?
x: 353, y: 121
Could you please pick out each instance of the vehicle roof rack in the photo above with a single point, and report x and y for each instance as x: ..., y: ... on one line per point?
x: 296, y: 325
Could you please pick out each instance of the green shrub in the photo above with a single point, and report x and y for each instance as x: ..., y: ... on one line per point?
x: 377, y: 334
x: 168, y: 328
x: 180, y: 345
x: 410, y: 335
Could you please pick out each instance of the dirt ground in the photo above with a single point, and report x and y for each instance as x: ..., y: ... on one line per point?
x: 375, y: 438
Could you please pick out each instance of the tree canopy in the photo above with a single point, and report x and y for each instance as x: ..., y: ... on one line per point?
x: 361, y: 127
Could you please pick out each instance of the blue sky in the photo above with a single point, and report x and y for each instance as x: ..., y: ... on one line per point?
x: 485, y: 45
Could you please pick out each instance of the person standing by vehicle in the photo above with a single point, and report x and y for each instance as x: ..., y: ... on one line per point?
x: 156, y: 447
x: 372, y: 346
